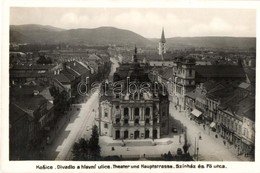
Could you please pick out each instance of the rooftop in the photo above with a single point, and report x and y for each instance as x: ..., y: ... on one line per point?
x: 25, y: 99
x: 220, y: 71
x: 78, y: 67
x: 32, y: 67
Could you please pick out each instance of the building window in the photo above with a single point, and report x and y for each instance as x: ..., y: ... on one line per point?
x: 239, y: 129
x: 106, y: 114
x: 136, y: 96
x: 117, y: 107
x: 190, y: 72
x: 136, y: 121
x: 163, y: 113
x: 147, y: 111
x: 117, y: 120
x: 163, y: 124
x: 136, y: 111
x: 125, y: 121
x: 105, y: 126
x: 125, y: 111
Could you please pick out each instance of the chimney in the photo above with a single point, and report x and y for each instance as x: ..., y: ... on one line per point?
x: 55, y: 72
x: 58, y: 71
x: 74, y: 63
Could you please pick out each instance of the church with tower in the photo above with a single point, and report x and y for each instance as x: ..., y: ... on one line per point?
x: 162, y: 44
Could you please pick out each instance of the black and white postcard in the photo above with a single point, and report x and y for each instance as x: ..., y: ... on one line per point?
x: 129, y: 86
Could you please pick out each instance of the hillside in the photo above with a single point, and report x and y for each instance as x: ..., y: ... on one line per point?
x: 211, y: 42
x: 109, y: 35
x: 102, y: 35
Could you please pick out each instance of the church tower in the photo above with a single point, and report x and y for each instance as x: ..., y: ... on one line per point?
x: 162, y: 44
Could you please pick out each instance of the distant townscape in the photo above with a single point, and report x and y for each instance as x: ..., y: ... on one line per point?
x: 110, y: 94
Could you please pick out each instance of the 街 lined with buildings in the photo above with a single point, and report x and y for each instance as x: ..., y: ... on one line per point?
x: 149, y: 102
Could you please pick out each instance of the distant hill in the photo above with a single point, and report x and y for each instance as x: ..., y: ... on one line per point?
x: 109, y: 35
x: 211, y: 42
x: 47, y: 34
x: 34, y: 27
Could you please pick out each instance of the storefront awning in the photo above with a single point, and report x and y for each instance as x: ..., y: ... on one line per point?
x: 212, y: 125
x: 196, y: 113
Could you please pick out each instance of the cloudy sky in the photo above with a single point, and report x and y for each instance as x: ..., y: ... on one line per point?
x: 146, y: 22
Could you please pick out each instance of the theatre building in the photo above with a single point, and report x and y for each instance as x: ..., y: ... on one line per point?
x: 136, y: 107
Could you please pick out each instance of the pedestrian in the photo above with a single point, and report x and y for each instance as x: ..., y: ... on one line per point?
x: 204, y: 126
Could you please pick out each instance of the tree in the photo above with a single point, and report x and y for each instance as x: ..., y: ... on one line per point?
x: 87, y: 149
x: 44, y: 60
x: 94, y: 143
x: 80, y: 150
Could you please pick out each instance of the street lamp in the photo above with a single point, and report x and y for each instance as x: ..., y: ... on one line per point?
x: 196, y: 151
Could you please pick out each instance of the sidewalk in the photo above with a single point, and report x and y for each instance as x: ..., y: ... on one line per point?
x: 219, y: 140
x: 208, y: 134
x: 53, y: 133
x: 136, y: 148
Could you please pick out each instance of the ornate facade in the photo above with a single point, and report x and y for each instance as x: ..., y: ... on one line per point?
x: 135, y: 106
x: 183, y: 79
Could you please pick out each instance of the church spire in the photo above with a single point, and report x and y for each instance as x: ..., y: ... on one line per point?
x: 162, y: 44
x: 163, y: 37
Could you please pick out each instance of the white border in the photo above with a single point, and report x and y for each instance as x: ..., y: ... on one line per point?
x: 29, y: 166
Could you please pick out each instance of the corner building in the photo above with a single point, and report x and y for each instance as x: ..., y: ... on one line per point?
x: 135, y: 106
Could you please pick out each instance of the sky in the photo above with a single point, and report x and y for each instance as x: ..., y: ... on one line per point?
x: 148, y: 22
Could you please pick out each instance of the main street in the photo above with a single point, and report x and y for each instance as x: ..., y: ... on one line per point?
x: 210, y: 148
x: 79, y: 122
x: 78, y: 125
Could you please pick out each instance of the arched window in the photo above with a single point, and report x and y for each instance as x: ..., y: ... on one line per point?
x: 155, y: 120
x: 125, y: 121
x: 136, y: 121
x: 118, y: 120
x: 136, y: 111
x: 105, y: 125
x: 136, y: 96
x: 147, y: 121
x: 147, y: 111
x: 125, y: 111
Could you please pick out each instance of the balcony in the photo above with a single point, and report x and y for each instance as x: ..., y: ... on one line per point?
x: 147, y: 124
x: 136, y: 117
x: 126, y: 125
